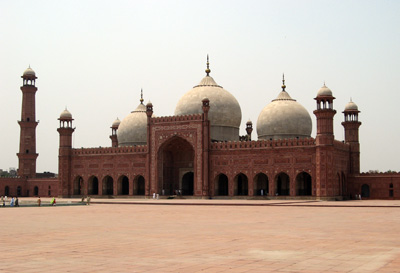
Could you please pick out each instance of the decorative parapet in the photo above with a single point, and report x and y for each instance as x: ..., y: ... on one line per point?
x: 110, y: 150
x: 228, y: 145
x: 194, y: 117
x: 13, y: 179
x: 380, y: 174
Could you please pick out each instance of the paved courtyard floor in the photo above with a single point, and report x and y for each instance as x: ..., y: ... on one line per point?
x: 202, y: 236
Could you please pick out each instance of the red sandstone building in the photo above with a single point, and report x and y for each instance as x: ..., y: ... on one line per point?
x: 198, y: 152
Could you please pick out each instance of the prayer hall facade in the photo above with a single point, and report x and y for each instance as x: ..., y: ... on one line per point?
x: 198, y: 152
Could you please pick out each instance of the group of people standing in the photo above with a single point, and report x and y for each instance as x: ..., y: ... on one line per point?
x: 14, y: 202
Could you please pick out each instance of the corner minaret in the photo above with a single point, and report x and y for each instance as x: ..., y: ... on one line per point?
x: 351, y: 126
x: 27, y: 144
x: 64, y: 153
x: 324, y: 163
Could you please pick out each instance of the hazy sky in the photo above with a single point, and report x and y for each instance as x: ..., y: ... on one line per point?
x: 94, y: 57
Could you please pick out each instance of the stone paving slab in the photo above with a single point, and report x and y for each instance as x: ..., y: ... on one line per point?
x: 130, y: 237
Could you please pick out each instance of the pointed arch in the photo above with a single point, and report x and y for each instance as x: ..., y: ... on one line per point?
x: 221, y: 185
x: 365, y: 191
x: 139, y: 185
x: 188, y: 183
x: 282, y: 184
x: 241, y: 184
x: 36, y: 191
x: 19, y: 191
x: 261, y: 184
x: 303, y: 184
x: 108, y: 185
x: 78, y: 185
x: 93, y: 185
x: 175, y: 157
x: 344, y: 186
x: 123, y: 185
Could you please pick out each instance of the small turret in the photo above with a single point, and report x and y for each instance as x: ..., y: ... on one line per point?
x: 114, y: 129
x: 149, y: 109
x: 65, y: 130
x: 249, y: 129
x: 324, y: 114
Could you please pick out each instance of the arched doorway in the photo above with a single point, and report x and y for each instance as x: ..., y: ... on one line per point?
x: 138, y: 185
x: 188, y: 183
x: 338, y: 188
x: 391, y: 190
x: 7, y: 191
x: 261, y: 184
x: 108, y: 185
x: 78, y: 183
x: 241, y: 185
x: 36, y: 191
x: 174, y: 156
x: 221, y: 185
x: 19, y: 191
x: 365, y: 191
x: 344, y: 187
x: 303, y: 184
x: 93, y: 185
x: 123, y: 185
x: 282, y: 184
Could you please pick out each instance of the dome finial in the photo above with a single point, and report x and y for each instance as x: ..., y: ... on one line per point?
x: 141, y: 96
x: 208, y: 67
x: 283, y: 82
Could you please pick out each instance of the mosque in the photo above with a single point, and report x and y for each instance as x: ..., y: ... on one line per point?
x: 198, y: 152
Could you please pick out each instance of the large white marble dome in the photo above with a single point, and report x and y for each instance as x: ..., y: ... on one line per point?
x: 284, y: 118
x: 133, y: 128
x: 225, y: 114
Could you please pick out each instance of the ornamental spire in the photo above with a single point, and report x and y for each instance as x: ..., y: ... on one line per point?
x: 283, y: 82
x: 208, y: 67
x: 141, y: 96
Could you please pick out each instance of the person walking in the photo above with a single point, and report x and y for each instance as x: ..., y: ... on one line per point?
x: 16, y: 202
x: 12, y: 202
x: 88, y: 201
x: 39, y: 202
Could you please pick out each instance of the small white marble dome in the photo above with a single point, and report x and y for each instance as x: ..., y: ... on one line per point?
x: 225, y: 114
x: 29, y: 72
x: 351, y: 106
x: 116, y: 123
x: 133, y: 128
x: 324, y: 91
x: 284, y: 118
x: 65, y: 114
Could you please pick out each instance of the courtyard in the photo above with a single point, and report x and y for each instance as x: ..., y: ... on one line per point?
x: 145, y: 235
